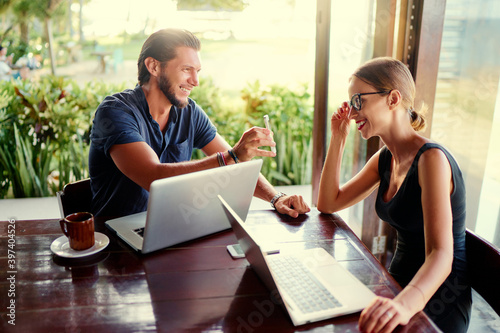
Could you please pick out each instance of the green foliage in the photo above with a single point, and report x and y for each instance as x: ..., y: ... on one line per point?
x: 40, y: 8
x: 44, y: 133
x: 27, y: 166
x: 45, y: 128
x: 230, y: 123
x: 18, y: 49
x: 291, y: 115
x: 4, y: 5
x: 23, y: 7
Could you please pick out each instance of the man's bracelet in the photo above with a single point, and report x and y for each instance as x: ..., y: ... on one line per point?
x: 233, y: 155
x: 221, y: 159
x: 276, y: 197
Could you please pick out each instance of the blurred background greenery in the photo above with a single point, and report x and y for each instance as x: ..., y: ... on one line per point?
x: 248, y: 71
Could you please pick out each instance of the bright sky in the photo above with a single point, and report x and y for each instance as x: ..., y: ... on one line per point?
x: 111, y: 17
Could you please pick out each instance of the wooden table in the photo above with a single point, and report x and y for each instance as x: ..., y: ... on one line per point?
x: 195, y: 286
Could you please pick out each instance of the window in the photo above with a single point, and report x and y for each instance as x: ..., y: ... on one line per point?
x: 466, y: 116
x: 351, y: 44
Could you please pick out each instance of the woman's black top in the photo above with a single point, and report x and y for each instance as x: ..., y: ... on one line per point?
x: 452, y: 301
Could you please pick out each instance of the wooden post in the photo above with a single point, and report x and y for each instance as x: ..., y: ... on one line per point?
x: 385, y: 18
x: 320, y: 93
x: 48, y: 32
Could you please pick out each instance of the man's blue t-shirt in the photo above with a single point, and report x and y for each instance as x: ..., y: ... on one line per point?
x: 124, y: 118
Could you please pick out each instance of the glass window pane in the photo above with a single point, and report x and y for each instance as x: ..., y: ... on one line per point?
x: 466, y: 115
x: 351, y: 44
x: 260, y: 60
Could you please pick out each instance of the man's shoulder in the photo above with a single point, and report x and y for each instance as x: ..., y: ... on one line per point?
x: 192, y: 104
x: 128, y: 100
x: 125, y: 97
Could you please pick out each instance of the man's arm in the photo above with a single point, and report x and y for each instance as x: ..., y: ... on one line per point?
x: 140, y: 163
x: 248, y: 145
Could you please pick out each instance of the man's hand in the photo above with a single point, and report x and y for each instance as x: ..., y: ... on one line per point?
x: 292, y: 205
x: 249, y: 143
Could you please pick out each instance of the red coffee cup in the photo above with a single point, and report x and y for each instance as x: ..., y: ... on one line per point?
x: 79, y: 228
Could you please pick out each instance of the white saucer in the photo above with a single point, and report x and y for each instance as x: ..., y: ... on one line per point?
x: 61, y: 246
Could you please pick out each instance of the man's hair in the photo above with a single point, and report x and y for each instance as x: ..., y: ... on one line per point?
x: 162, y: 46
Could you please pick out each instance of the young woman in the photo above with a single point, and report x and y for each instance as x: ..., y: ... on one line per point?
x: 420, y: 192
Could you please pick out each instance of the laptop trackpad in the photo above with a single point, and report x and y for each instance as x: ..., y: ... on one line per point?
x: 335, y: 275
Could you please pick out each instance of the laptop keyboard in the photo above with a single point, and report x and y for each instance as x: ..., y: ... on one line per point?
x: 139, y: 231
x: 303, y: 287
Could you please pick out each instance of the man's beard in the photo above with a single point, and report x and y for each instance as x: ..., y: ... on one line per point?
x: 167, y: 89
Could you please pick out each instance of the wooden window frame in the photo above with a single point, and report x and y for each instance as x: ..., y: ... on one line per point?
x: 418, y: 44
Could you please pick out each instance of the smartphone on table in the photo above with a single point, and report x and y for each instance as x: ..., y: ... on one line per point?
x: 237, y: 252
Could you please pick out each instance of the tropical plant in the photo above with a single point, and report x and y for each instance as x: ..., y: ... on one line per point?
x: 5, y: 99
x: 27, y: 166
x: 291, y: 113
x: 45, y: 129
x: 230, y: 123
x: 44, y: 133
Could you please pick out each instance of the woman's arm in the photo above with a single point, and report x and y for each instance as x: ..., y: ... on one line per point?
x: 331, y: 197
x: 436, y: 183
x: 435, y: 179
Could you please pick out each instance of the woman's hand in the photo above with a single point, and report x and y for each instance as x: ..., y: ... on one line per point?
x: 383, y: 315
x: 340, y: 120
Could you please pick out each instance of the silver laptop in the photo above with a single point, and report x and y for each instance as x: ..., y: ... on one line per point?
x: 186, y: 207
x: 310, y: 284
